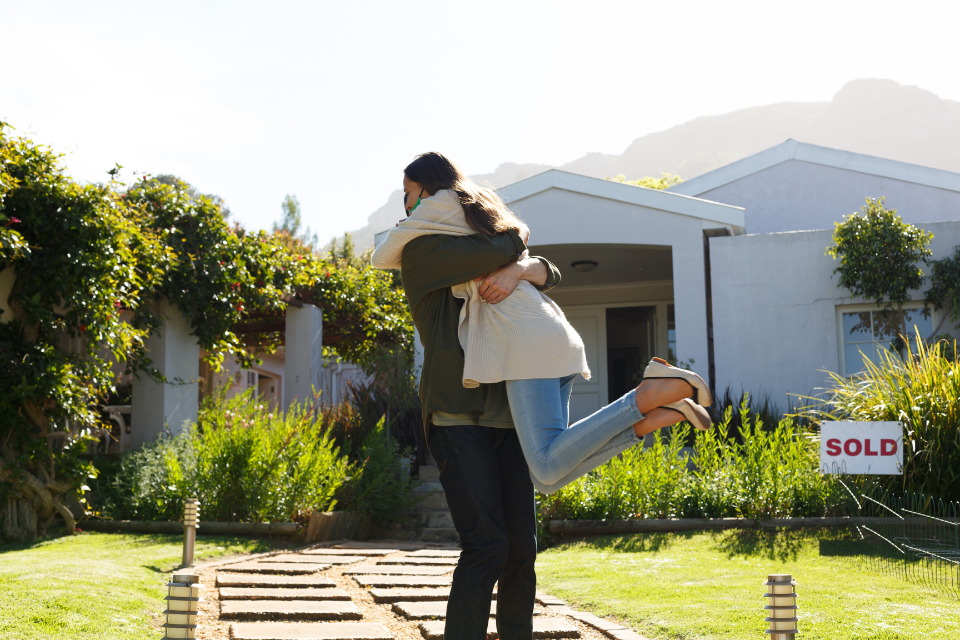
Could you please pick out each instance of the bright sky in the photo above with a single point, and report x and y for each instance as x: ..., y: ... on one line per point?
x: 330, y: 100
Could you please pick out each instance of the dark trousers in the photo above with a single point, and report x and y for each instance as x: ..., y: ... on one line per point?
x: 490, y: 494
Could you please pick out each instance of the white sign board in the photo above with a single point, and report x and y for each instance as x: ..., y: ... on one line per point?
x: 874, y: 448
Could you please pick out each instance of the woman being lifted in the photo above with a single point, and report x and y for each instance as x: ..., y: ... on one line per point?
x: 520, y: 337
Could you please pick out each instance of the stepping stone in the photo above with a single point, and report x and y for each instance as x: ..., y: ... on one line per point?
x: 432, y: 610
x: 309, y: 631
x: 288, y: 610
x: 396, y: 546
x: 451, y: 562
x: 325, y: 559
x: 546, y: 600
x: 434, y: 553
x: 266, y: 580
x: 403, y: 581
x: 240, y: 593
x: 397, y: 570
x: 409, y: 595
x: 288, y: 568
x: 542, y: 628
x: 328, y: 551
x: 412, y: 595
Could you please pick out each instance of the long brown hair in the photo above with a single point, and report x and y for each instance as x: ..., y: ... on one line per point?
x: 484, y: 209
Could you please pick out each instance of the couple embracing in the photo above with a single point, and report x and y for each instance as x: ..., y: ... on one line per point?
x: 499, y: 363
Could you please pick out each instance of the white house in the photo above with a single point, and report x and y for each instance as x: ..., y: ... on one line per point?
x: 726, y: 271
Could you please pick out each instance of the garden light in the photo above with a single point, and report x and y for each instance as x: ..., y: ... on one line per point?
x: 190, y: 524
x: 183, y: 594
x: 782, y: 594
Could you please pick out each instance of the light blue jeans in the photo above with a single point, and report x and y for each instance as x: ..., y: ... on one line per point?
x: 557, y: 454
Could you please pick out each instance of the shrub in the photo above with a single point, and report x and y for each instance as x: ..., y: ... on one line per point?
x: 243, y: 462
x: 749, y: 472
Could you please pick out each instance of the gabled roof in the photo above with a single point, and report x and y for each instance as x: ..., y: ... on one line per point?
x: 793, y: 150
x: 723, y: 214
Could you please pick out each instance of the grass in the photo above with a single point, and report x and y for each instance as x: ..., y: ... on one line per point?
x: 708, y: 585
x: 96, y: 585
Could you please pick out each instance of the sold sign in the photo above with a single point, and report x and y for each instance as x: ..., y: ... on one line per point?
x: 874, y: 448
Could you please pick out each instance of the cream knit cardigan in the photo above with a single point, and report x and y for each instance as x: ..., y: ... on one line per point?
x: 524, y: 336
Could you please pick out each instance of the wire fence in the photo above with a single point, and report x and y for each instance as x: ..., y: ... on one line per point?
x: 915, y: 536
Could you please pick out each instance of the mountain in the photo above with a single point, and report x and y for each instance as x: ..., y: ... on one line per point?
x: 870, y: 116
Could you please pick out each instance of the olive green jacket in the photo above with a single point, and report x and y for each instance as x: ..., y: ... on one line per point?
x: 430, y: 266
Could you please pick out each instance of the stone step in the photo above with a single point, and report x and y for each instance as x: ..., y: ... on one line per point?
x: 435, y: 553
x: 427, y: 535
x: 261, y: 593
x: 433, y: 519
x: 429, y: 486
x: 288, y: 610
x: 356, y: 544
x: 312, y: 557
x: 429, y: 472
x: 397, y: 570
x: 542, y: 628
x: 448, y: 562
x: 267, y: 580
x: 432, y: 610
x: 329, y: 551
x: 288, y: 568
x: 432, y: 502
x: 403, y: 581
x: 309, y: 631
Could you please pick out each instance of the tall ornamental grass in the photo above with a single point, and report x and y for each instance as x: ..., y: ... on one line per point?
x: 244, y: 463
x: 922, y: 391
x: 749, y: 472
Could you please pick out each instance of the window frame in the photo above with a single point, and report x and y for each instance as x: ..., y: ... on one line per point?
x: 855, y: 308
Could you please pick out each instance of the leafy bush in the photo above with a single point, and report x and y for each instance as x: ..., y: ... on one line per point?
x: 243, y: 462
x: 748, y: 472
x: 380, y: 483
x: 922, y: 391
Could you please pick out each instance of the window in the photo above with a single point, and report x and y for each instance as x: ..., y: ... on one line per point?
x: 869, y: 331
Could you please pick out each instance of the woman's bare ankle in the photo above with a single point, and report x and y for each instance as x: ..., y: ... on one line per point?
x: 656, y: 393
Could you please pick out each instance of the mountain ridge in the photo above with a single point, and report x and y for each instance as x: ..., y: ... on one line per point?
x: 871, y: 116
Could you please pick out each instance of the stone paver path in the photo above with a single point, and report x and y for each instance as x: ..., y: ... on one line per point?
x: 338, y: 593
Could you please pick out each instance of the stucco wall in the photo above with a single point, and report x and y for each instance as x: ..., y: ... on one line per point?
x: 796, y: 195
x: 774, y: 309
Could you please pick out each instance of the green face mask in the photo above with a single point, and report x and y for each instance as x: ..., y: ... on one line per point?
x: 414, y: 207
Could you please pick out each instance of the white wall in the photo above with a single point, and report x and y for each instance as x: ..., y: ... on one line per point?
x: 175, y: 354
x: 774, y: 309
x: 557, y: 216
x: 796, y: 195
x: 303, y: 353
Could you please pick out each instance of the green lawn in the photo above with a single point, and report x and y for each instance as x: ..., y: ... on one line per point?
x: 708, y: 585
x: 95, y: 585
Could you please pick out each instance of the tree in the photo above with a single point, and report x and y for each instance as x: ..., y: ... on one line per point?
x: 944, y: 291
x: 291, y: 221
x: 878, y: 255
x: 665, y: 181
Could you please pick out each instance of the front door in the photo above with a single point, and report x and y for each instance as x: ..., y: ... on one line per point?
x: 590, y: 395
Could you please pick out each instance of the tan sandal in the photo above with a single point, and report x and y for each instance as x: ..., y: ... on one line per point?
x: 660, y: 369
x: 693, y: 412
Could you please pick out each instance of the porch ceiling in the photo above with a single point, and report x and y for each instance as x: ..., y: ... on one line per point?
x: 616, y: 263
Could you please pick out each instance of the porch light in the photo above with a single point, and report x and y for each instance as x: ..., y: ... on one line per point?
x: 584, y: 265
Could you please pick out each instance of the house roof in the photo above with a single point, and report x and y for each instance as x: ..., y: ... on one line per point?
x: 681, y: 204
x: 815, y: 154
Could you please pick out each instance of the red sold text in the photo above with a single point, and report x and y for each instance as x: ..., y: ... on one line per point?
x: 856, y: 447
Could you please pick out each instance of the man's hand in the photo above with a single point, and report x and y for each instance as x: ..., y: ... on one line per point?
x: 498, y: 285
